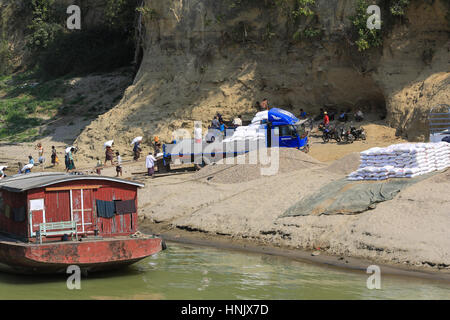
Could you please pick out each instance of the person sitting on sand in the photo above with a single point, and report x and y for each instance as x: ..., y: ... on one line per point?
x: 30, y: 160
x: 302, y: 114
x: 359, y: 116
x: 343, y: 116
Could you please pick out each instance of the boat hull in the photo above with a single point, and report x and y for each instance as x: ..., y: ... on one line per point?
x: 90, y: 256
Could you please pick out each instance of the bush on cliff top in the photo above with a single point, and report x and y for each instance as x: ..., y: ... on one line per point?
x: 104, y: 47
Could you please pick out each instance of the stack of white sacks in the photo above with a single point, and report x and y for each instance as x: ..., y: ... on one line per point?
x: 255, y: 131
x: 406, y: 160
x: 251, y: 133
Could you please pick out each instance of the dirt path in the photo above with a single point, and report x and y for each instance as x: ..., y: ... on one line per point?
x: 378, y: 135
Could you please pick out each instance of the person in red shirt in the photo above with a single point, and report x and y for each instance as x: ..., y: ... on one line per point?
x: 326, y: 119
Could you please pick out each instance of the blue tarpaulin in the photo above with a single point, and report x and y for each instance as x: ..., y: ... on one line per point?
x: 280, y: 117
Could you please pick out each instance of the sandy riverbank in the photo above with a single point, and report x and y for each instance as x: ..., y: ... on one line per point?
x: 235, y: 203
x: 409, y: 231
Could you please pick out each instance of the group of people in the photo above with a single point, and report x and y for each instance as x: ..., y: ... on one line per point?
x: 150, y: 159
x: 115, y: 158
x: 216, y: 124
x: 344, y: 116
x: 41, y: 160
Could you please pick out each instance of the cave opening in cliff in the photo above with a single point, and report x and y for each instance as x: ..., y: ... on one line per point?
x: 375, y: 106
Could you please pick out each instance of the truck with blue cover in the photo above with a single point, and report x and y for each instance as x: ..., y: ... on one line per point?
x: 272, y: 128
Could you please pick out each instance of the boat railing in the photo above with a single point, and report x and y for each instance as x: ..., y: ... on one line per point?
x: 58, y: 228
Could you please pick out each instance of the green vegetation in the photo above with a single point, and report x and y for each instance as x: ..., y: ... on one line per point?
x: 300, y: 13
x: 25, y: 104
x: 5, y: 57
x: 10, y: 13
x: 303, y: 19
x: 303, y: 8
x: 366, y: 38
x: 58, y: 51
x: 47, y: 22
x: 398, y: 7
x: 149, y: 13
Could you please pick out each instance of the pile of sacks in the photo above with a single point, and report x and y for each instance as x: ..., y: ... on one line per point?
x: 254, y: 132
x: 406, y: 160
x: 250, y: 133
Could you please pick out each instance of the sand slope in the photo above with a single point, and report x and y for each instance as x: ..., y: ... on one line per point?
x: 410, y: 230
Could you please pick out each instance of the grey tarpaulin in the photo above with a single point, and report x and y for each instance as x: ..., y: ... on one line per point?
x: 350, y: 197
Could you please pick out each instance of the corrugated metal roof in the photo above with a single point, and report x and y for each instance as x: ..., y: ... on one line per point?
x: 24, y: 182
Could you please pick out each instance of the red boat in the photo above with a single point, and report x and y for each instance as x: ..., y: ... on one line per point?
x: 50, y: 221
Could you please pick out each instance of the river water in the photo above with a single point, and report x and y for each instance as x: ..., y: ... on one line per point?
x: 194, y: 272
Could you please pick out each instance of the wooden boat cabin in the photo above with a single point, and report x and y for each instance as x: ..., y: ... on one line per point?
x: 46, y: 207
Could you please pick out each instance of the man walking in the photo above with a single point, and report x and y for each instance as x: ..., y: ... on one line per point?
x: 150, y: 164
x: 119, y: 164
x: 137, y: 150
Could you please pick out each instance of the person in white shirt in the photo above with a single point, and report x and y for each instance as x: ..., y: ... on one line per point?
x: 237, y: 121
x: 150, y: 164
x: 2, y: 173
x: 198, y: 133
x: 119, y: 164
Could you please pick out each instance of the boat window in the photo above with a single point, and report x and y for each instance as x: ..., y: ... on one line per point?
x: 37, y: 205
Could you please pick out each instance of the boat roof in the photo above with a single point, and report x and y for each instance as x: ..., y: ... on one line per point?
x: 24, y: 182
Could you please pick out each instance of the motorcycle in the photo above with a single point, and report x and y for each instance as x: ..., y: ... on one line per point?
x: 330, y: 133
x: 359, y: 134
x: 346, y: 135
